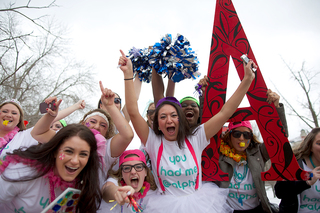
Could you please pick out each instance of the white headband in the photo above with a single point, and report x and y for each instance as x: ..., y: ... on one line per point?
x: 99, y: 114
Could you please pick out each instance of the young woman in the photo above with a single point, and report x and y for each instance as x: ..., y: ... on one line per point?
x: 13, y: 133
x: 133, y: 176
x: 32, y: 178
x: 175, y: 151
x: 303, y: 196
x: 110, y: 145
x: 243, y: 158
x: 191, y: 109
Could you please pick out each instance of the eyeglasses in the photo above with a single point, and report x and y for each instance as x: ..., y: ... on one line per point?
x: 117, y: 100
x: 192, y: 105
x: 150, y: 111
x: 127, y: 168
x: 237, y: 134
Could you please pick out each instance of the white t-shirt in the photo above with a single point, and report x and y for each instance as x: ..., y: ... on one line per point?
x: 29, y: 196
x: 177, y: 169
x: 21, y: 139
x: 242, y: 187
x: 310, y: 198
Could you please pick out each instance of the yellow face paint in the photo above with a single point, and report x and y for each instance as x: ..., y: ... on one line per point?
x: 242, y: 144
x: 5, y: 122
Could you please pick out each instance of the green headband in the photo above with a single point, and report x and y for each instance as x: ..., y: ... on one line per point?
x: 63, y: 122
x: 189, y: 98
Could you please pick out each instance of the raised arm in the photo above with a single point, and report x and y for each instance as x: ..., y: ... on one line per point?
x: 138, y: 122
x: 215, y: 123
x: 120, y: 141
x: 137, y: 89
x: 81, y: 104
x: 41, y: 131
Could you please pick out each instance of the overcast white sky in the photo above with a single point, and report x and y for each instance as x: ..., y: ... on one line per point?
x: 287, y: 28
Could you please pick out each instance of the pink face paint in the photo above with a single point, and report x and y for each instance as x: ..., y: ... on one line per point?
x: 88, y: 124
x: 61, y: 156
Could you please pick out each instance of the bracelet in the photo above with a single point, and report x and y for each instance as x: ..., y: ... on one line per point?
x: 128, y: 78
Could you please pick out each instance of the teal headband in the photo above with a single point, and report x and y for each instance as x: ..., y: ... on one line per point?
x: 189, y: 98
x: 63, y: 122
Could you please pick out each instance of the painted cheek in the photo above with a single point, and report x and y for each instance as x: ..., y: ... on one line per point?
x: 88, y: 124
x: 61, y: 156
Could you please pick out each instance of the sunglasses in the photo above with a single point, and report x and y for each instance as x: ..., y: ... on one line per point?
x: 237, y: 134
x: 127, y: 168
x: 117, y: 100
x: 194, y: 105
x: 150, y: 111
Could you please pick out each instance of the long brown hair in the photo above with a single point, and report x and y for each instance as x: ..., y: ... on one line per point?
x: 44, y: 161
x: 184, y: 129
x: 304, y: 149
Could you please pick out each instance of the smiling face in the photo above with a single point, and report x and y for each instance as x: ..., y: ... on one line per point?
x: 11, y: 114
x: 134, y: 178
x: 168, y: 121
x: 98, y: 123
x: 150, y: 115
x: 71, y: 157
x: 236, y: 142
x: 191, y: 111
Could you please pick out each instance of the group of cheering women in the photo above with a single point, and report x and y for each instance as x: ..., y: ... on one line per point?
x: 39, y: 163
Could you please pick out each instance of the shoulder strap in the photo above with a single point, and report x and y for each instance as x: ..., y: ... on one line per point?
x: 195, y: 159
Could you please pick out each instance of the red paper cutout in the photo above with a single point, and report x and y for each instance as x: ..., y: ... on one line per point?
x: 229, y: 39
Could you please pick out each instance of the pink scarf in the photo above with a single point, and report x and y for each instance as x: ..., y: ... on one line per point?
x: 8, y: 137
x: 56, y: 181
x: 101, y: 144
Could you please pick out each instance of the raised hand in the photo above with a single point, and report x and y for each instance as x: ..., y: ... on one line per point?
x: 54, y: 112
x: 107, y: 96
x: 273, y: 97
x: 126, y: 66
x: 81, y: 104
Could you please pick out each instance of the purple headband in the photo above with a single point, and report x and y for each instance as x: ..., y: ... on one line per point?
x: 171, y: 99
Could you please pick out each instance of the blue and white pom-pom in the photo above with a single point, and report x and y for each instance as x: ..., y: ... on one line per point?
x: 174, y: 59
x: 140, y: 62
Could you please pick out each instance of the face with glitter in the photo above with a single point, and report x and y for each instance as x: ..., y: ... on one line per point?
x: 71, y: 157
x: 9, y: 116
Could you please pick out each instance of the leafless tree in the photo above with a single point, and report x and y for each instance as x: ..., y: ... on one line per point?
x: 35, y: 63
x: 307, y: 81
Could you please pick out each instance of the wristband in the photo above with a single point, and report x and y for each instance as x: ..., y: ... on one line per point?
x: 128, y: 78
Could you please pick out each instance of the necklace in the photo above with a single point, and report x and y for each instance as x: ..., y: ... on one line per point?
x: 311, y: 161
x: 227, y: 151
x: 7, y: 138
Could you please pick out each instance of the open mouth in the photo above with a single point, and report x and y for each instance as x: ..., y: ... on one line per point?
x: 71, y: 169
x: 189, y: 114
x: 171, y: 130
x: 134, y: 182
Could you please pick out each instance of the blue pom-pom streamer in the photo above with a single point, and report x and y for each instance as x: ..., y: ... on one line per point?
x: 140, y: 63
x: 175, y: 59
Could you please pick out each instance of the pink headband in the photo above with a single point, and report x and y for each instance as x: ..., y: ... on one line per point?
x: 137, y: 152
x: 233, y: 125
